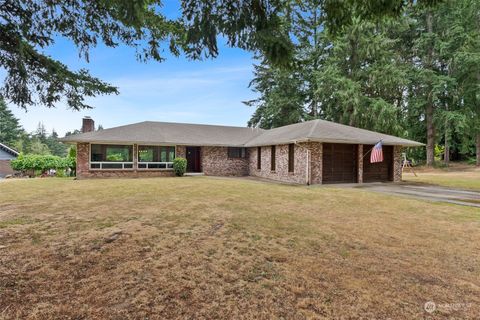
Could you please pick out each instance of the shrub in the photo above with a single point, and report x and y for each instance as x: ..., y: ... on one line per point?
x: 36, y: 162
x: 179, y: 166
x: 60, y: 174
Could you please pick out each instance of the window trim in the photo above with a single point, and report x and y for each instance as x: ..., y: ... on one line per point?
x: 273, y: 160
x: 101, y: 163
x: 147, y: 163
x: 291, y: 158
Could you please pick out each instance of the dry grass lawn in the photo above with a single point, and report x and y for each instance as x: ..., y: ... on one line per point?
x: 210, y: 248
x: 457, y: 176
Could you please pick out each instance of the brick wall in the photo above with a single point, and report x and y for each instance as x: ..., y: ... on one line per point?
x: 215, y: 162
x: 82, y: 160
x: 299, y: 175
x: 181, y: 151
x: 316, y: 162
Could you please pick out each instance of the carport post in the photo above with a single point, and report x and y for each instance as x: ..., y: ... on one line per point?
x: 360, y: 164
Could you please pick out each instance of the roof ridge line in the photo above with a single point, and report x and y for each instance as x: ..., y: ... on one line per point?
x: 309, y: 135
x: 261, y: 131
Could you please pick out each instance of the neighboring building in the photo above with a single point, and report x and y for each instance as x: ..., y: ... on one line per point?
x: 6, y: 155
x: 311, y: 152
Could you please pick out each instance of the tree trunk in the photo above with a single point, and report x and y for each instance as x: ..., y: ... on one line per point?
x: 430, y: 135
x: 313, y: 83
x: 478, y: 149
x: 446, y: 155
x: 429, y: 107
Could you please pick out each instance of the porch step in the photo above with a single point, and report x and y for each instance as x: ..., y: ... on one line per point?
x: 194, y: 174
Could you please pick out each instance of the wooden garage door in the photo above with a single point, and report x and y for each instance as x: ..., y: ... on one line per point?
x: 379, y: 171
x: 339, y: 163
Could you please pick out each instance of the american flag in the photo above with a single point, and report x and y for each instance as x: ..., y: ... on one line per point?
x: 377, y: 154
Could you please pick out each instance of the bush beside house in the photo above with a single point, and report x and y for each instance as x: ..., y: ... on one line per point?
x: 179, y: 166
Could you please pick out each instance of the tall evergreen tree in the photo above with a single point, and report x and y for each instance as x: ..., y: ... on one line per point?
x: 56, y: 147
x: 287, y: 95
x: 280, y: 102
x: 361, y: 82
x: 307, y: 25
x: 10, y: 128
x: 444, y: 54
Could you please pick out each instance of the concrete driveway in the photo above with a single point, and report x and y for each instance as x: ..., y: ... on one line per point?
x: 426, y: 192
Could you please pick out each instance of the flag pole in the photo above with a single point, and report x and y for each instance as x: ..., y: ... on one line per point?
x: 371, y: 148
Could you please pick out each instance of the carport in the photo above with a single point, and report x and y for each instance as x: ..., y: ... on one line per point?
x: 350, y: 163
x: 379, y: 171
x: 339, y: 163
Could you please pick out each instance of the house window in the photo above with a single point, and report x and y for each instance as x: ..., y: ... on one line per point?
x: 156, y: 157
x: 272, y: 161
x: 237, y: 152
x: 111, y: 156
x: 291, y: 157
x: 259, y: 158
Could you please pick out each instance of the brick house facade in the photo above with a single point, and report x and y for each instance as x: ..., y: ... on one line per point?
x: 288, y: 154
x: 307, y: 168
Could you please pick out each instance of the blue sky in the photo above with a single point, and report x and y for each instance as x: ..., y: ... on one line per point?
x: 176, y: 90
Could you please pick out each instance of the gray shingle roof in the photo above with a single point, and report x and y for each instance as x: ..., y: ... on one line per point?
x: 168, y: 133
x: 149, y: 132
x: 326, y: 131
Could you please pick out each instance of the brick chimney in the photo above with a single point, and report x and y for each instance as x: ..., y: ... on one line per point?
x: 88, y: 125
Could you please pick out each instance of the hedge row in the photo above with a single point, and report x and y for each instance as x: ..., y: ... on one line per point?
x: 41, y: 162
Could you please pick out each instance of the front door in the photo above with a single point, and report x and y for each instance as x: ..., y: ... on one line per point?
x: 193, y: 159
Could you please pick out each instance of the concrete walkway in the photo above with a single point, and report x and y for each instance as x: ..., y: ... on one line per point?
x: 426, y: 192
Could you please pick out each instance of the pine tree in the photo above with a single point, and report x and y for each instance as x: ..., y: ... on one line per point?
x: 287, y: 95
x: 41, y: 133
x: 56, y: 147
x: 10, y: 128
x: 362, y: 80
x: 280, y: 102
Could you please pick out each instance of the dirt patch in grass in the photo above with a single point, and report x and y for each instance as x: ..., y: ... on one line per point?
x: 202, y: 248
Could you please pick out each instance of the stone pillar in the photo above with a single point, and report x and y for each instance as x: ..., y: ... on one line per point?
x: 181, y: 151
x: 360, y: 163
x: 316, y: 162
x: 397, y: 163
x: 83, y: 156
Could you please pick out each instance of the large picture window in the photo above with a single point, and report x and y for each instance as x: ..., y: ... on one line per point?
x: 156, y: 157
x: 111, y: 156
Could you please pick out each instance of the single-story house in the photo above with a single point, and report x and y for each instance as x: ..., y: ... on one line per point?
x: 311, y: 152
x: 6, y: 155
